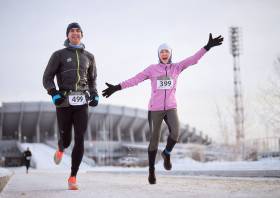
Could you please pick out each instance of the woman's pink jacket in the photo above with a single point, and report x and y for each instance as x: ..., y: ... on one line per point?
x: 163, y: 99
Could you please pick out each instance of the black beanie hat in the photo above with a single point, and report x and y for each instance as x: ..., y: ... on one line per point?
x: 73, y: 25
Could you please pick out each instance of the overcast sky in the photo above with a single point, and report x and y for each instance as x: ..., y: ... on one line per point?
x: 124, y: 36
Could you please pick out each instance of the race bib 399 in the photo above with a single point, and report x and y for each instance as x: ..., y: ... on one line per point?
x: 165, y: 82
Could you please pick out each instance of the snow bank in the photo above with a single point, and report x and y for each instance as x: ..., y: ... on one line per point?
x: 188, y: 163
x: 43, y: 155
x: 4, y: 172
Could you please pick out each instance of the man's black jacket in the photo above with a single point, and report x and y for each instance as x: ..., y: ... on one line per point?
x: 74, y: 68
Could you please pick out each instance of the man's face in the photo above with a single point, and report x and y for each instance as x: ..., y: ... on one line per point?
x: 75, y: 36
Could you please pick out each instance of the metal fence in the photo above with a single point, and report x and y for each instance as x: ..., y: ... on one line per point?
x: 249, y: 150
x: 267, y: 148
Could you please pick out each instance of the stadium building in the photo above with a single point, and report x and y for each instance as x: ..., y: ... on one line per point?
x: 112, y: 132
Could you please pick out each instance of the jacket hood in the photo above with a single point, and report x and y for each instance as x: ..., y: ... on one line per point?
x: 66, y: 44
x: 167, y: 47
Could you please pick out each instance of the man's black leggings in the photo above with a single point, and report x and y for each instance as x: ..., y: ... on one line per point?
x: 27, y: 164
x: 66, y: 117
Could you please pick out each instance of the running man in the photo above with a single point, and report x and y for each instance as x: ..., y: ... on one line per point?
x: 162, y: 105
x: 27, y: 157
x: 75, y: 71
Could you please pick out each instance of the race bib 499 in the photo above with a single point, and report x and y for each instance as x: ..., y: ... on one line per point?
x: 77, y: 99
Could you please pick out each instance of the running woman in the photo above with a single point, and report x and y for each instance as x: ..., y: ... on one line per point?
x: 27, y: 157
x: 162, y: 105
x: 75, y: 72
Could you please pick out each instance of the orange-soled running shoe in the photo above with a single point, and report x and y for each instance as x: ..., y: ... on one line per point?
x: 57, y: 157
x: 72, y: 183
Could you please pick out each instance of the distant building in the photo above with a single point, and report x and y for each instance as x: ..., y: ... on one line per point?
x: 111, y: 130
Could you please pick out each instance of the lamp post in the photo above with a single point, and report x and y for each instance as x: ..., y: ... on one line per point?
x: 46, y: 133
x: 34, y: 148
x: 90, y: 147
x: 236, y: 50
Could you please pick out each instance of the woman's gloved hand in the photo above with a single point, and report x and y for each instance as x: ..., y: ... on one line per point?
x: 213, y: 42
x: 110, y: 90
x: 57, y: 97
x: 94, y: 99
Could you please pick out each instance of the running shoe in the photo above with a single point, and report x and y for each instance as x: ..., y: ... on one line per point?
x: 166, y: 158
x: 152, y: 176
x: 57, y: 157
x: 72, y: 183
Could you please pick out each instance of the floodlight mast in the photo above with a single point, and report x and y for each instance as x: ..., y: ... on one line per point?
x: 235, y: 49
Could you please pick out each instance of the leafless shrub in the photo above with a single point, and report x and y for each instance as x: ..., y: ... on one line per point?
x: 269, y: 96
x: 232, y: 131
x: 222, y: 125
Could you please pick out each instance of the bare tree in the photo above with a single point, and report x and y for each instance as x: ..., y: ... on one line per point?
x: 222, y: 125
x: 233, y: 135
x: 270, y: 96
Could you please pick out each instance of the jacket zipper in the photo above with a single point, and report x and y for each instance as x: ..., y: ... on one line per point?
x: 78, y: 70
x: 165, y: 89
x: 153, y: 98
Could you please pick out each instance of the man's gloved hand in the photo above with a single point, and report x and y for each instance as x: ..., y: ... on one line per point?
x: 94, y: 99
x: 213, y: 42
x: 57, y: 96
x: 110, y: 90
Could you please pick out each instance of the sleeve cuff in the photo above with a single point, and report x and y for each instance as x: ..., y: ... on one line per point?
x: 207, y: 48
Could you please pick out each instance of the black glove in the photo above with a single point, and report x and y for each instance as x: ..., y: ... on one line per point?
x: 213, y: 42
x: 94, y: 99
x: 110, y: 90
x: 57, y: 96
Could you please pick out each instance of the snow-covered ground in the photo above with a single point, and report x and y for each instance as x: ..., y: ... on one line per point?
x: 53, y: 183
x: 43, y: 155
x: 188, y: 163
x: 4, y: 172
x: 49, y: 181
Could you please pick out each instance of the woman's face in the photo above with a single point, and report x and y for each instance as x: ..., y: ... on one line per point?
x: 164, y: 56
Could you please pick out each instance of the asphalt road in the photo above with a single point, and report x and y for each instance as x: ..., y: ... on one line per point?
x: 52, y: 184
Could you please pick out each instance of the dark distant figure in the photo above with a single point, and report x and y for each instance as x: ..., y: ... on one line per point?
x: 27, y: 156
